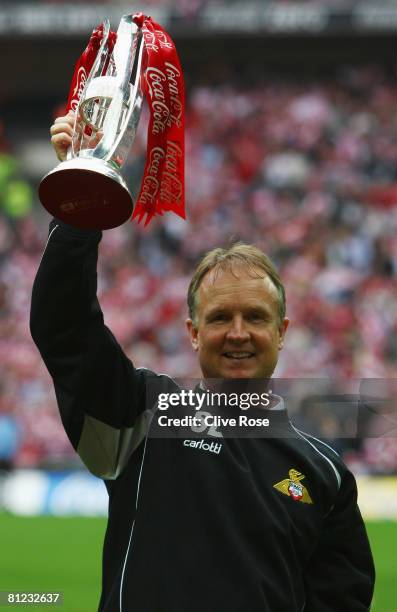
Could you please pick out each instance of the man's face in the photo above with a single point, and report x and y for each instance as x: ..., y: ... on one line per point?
x: 238, y: 333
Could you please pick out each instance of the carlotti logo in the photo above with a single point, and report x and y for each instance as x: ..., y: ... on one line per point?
x: 209, y: 447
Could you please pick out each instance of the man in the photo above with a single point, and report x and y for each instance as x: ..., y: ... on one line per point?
x: 242, y: 524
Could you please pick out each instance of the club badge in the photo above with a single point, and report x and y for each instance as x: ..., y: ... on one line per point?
x: 293, y: 487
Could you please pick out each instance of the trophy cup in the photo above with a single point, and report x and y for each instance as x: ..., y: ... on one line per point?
x: 87, y: 190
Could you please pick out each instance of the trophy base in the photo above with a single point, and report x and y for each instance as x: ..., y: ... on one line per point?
x: 86, y: 193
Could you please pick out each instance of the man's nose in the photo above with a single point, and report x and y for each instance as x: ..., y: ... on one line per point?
x: 238, y: 331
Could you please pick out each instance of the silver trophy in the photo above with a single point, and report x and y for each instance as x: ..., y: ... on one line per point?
x: 87, y: 190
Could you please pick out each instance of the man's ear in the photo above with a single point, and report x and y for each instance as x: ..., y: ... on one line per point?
x: 281, y: 331
x: 193, y: 334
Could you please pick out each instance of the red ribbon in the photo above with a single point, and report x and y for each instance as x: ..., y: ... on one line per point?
x: 163, y: 183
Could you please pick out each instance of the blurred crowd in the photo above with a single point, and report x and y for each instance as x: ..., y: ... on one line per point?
x: 306, y: 170
x: 191, y: 8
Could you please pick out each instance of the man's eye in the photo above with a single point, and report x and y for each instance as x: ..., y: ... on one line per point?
x: 256, y: 316
x: 218, y: 317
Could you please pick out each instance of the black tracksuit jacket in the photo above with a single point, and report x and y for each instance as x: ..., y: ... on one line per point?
x: 192, y: 529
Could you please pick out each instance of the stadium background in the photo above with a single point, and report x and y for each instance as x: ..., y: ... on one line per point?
x: 291, y: 144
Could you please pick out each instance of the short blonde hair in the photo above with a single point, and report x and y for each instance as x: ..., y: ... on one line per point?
x: 223, y: 259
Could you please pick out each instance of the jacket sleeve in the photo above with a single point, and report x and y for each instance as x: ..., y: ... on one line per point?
x: 100, y: 395
x: 340, y: 574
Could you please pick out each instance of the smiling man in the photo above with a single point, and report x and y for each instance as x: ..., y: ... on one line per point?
x: 214, y: 521
x: 237, y: 313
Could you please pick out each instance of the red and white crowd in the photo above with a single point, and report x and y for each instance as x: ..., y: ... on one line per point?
x: 305, y: 169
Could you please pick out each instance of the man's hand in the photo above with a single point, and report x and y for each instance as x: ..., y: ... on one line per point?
x: 61, y: 134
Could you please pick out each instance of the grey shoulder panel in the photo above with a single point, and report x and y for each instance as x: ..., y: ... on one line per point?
x: 105, y: 450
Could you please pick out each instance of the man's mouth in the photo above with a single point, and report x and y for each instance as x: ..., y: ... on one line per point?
x: 238, y: 355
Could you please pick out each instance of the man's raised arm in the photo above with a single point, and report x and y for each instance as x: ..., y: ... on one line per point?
x: 99, y: 393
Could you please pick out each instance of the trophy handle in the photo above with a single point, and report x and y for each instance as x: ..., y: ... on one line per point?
x: 128, y: 124
x: 97, y: 67
x: 124, y: 55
